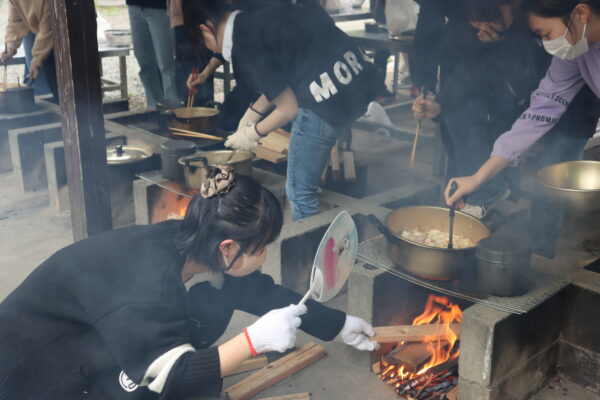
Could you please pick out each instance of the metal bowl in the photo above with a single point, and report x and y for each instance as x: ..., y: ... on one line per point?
x: 573, y: 186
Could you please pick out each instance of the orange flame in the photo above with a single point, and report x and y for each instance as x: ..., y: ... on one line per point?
x: 440, y: 311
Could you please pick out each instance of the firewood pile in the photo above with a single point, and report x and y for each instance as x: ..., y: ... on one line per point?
x: 439, y: 383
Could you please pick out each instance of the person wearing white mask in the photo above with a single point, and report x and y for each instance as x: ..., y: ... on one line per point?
x: 570, y: 31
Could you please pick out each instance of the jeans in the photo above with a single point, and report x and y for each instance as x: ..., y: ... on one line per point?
x: 472, y: 129
x: 545, y: 220
x: 154, y: 50
x: 186, y: 58
x: 40, y: 85
x: 310, y: 147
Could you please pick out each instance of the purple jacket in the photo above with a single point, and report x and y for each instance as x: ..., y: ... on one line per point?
x: 550, y: 101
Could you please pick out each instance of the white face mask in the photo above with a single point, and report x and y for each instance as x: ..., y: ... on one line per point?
x: 561, y: 47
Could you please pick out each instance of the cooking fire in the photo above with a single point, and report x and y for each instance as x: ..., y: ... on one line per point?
x: 426, y: 369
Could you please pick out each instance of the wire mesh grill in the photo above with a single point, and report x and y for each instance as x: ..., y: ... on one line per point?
x: 374, y: 252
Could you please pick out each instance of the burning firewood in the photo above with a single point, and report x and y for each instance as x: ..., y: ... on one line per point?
x: 414, y: 356
x: 413, y: 333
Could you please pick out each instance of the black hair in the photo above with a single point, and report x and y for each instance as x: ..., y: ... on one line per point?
x: 558, y: 8
x: 248, y: 214
x: 484, y: 10
x: 198, y: 12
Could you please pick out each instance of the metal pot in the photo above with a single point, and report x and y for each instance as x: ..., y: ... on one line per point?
x: 426, y: 261
x: 19, y: 99
x: 503, y: 265
x: 573, y: 186
x: 197, y: 119
x: 171, y: 152
x: 120, y: 155
x: 197, y: 167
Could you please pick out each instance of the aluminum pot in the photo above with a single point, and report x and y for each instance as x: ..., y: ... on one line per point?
x: 573, y: 186
x: 197, y: 167
x: 19, y: 99
x: 425, y: 261
x: 197, y: 119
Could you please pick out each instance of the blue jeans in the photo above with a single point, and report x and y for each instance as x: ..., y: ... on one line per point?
x: 545, y: 220
x: 40, y: 85
x: 473, y: 126
x: 155, y: 52
x: 310, y: 147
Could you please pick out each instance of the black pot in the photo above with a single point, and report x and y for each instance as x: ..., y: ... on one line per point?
x: 503, y: 265
x: 20, y: 99
x: 171, y: 151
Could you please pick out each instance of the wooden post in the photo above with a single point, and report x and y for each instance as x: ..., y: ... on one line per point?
x: 78, y: 70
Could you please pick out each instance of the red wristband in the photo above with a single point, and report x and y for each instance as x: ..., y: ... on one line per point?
x: 252, y: 351
x: 257, y: 132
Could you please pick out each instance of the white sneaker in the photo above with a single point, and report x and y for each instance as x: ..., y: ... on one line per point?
x: 480, y: 211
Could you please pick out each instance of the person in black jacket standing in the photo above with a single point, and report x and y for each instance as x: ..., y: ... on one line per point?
x: 132, y: 313
x: 153, y: 48
x: 308, y: 71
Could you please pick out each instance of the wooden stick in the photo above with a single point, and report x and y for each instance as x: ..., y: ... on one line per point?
x: 251, y: 364
x: 197, y: 134
x: 349, y: 166
x: 275, y: 372
x: 412, y: 333
x: 452, y: 393
x: 298, y: 396
x: 335, y: 163
x: 411, y: 161
x: 269, y: 155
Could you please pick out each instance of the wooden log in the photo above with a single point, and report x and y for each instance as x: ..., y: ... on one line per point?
x: 251, y: 363
x: 298, y: 396
x: 412, y: 355
x: 376, y: 368
x: 275, y: 372
x: 335, y: 163
x: 78, y: 74
x: 452, y: 394
x: 411, y: 333
x: 349, y: 167
x: 269, y: 155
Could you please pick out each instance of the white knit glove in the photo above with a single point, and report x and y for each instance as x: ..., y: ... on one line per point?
x: 276, y: 330
x: 244, y: 139
x: 249, y: 118
x: 356, y: 333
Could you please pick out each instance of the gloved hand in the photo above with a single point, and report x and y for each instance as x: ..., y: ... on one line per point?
x: 245, y: 139
x: 249, y: 118
x: 356, y: 333
x: 276, y: 330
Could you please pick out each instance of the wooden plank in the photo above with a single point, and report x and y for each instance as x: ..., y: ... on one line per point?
x: 411, y: 333
x: 273, y: 143
x: 349, y: 168
x: 269, y: 155
x: 283, y: 133
x: 452, y: 393
x: 335, y: 163
x: 298, y: 396
x: 78, y: 74
x: 376, y: 368
x: 276, y: 372
x: 413, y: 355
x: 251, y: 363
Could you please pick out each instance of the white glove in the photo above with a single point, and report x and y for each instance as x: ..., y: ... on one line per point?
x: 356, y: 333
x: 276, y: 330
x: 245, y: 139
x: 249, y: 118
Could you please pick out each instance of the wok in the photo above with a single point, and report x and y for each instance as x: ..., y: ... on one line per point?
x: 573, y: 186
x: 425, y: 261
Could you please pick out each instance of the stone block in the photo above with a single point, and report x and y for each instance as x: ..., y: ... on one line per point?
x: 495, y: 343
x: 582, y: 319
x: 44, y: 114
x: 580, y: 365
x: 27, y: 153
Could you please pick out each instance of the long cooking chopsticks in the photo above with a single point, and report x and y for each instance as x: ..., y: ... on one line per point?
x: 191, y: 94
x: 411, y: 161
x: 183, y: 132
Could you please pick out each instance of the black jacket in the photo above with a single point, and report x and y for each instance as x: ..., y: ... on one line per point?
x: 148, y: 3
x: 301, y: 48
x: 89, y: 321
x: 509, y: 70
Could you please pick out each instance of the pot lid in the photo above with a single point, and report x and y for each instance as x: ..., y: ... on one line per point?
x: 126, y: 154
x: 502, y: 248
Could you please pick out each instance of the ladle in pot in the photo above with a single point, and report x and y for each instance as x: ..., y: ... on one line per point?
x: 453, y: 188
